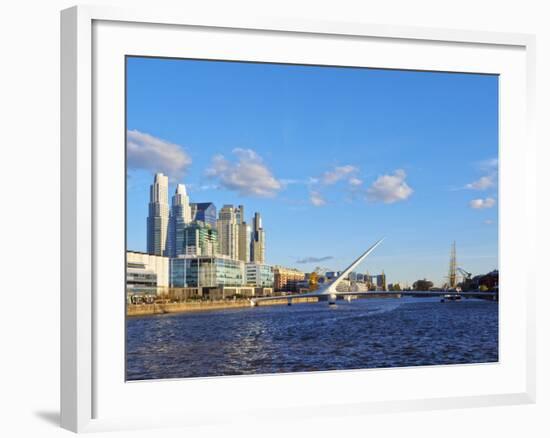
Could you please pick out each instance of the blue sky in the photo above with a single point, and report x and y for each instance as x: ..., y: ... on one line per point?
x: 333, y: 158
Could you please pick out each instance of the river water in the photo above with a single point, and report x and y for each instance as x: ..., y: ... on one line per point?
x: 365, y: 333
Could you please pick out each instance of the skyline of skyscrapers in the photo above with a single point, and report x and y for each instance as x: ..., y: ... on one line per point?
x: 206, y: 250
x: 186, y: 228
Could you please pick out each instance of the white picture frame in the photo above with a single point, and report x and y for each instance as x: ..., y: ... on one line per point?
x: 89, y: 394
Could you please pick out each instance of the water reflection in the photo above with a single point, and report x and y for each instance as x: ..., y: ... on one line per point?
x: 362, y: 334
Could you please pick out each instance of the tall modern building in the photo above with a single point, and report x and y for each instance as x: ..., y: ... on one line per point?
x: 239, y: 214
x: 199, y: 239
x: 228, y: 232
x: 244, y: 242
x: 204, y: 212
x: 375, y: 282
x: 257, y: 240
x: 244, y: 235
x: 381, y: 281
x: 180, y: 216
x: 158, y: 218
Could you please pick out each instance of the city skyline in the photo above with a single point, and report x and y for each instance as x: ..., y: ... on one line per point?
x: 325, y: 185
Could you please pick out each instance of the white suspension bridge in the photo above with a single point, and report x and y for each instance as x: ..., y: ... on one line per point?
x: 329, y: 292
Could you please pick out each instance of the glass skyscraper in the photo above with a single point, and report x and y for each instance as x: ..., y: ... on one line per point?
x: 244, y: 235
x: 257, y: 241
x: 228, y: 232
x: 198, y: 238
x: 157, y: 220
x: 205, y: 212
x: 180, y: 216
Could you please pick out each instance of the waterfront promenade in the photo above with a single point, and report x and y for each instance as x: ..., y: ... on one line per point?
x: 200, y: 306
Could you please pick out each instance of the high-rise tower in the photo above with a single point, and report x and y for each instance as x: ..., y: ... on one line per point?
x: 244, y: 235
x: 180, y: 216
x: 157, y: 220
x: 199, y: 239
x: 239, y: 214
x: 204, y: 212
x: 257, y: 240
x: 228, y: 232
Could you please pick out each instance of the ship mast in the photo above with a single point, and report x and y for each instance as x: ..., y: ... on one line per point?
x: 452, y: 267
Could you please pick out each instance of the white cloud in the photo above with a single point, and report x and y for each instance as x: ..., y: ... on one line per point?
x: 317, y: 199
x: 291, y: 181
x: 338, y: 173
x: 201, y: 187
x: 390, y: 188
x: 329, y: 178
x: 482, y: 203
x: 312, y: 180
x: 488, y: 222
x: 488, y: 165
x: 249, y: 176
x: 482, y: 183
x: 150, y: 153
x: 314, y: 259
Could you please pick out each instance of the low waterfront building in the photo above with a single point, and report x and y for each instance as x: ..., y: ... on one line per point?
x: 358, y: 286
x: 146, y: 274
x: 259, y: 275
x: 356, y: 276
x: 206, y: 275
x: 205, y: 271
x: 287, y: 279
x: 228, y: 292
x: 302, y: 286
x: 344, y: 286
x: 488, y: 281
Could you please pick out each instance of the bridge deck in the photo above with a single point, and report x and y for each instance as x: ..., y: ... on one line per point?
x: 434, y: 293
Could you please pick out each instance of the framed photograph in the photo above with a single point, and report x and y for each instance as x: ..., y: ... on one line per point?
x: 257, y: 208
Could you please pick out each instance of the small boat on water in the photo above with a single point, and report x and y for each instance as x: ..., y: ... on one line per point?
x: 452, y: 295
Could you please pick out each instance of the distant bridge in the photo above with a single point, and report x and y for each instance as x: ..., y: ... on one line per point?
x: 420, y: 293
x: 330, y: 293
x: 382, y: 294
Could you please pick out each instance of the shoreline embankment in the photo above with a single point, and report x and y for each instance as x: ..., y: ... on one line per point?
x: 202, y: 306
x: 137, y: 310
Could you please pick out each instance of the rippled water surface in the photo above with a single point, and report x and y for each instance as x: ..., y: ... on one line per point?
x: 367, y: 333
